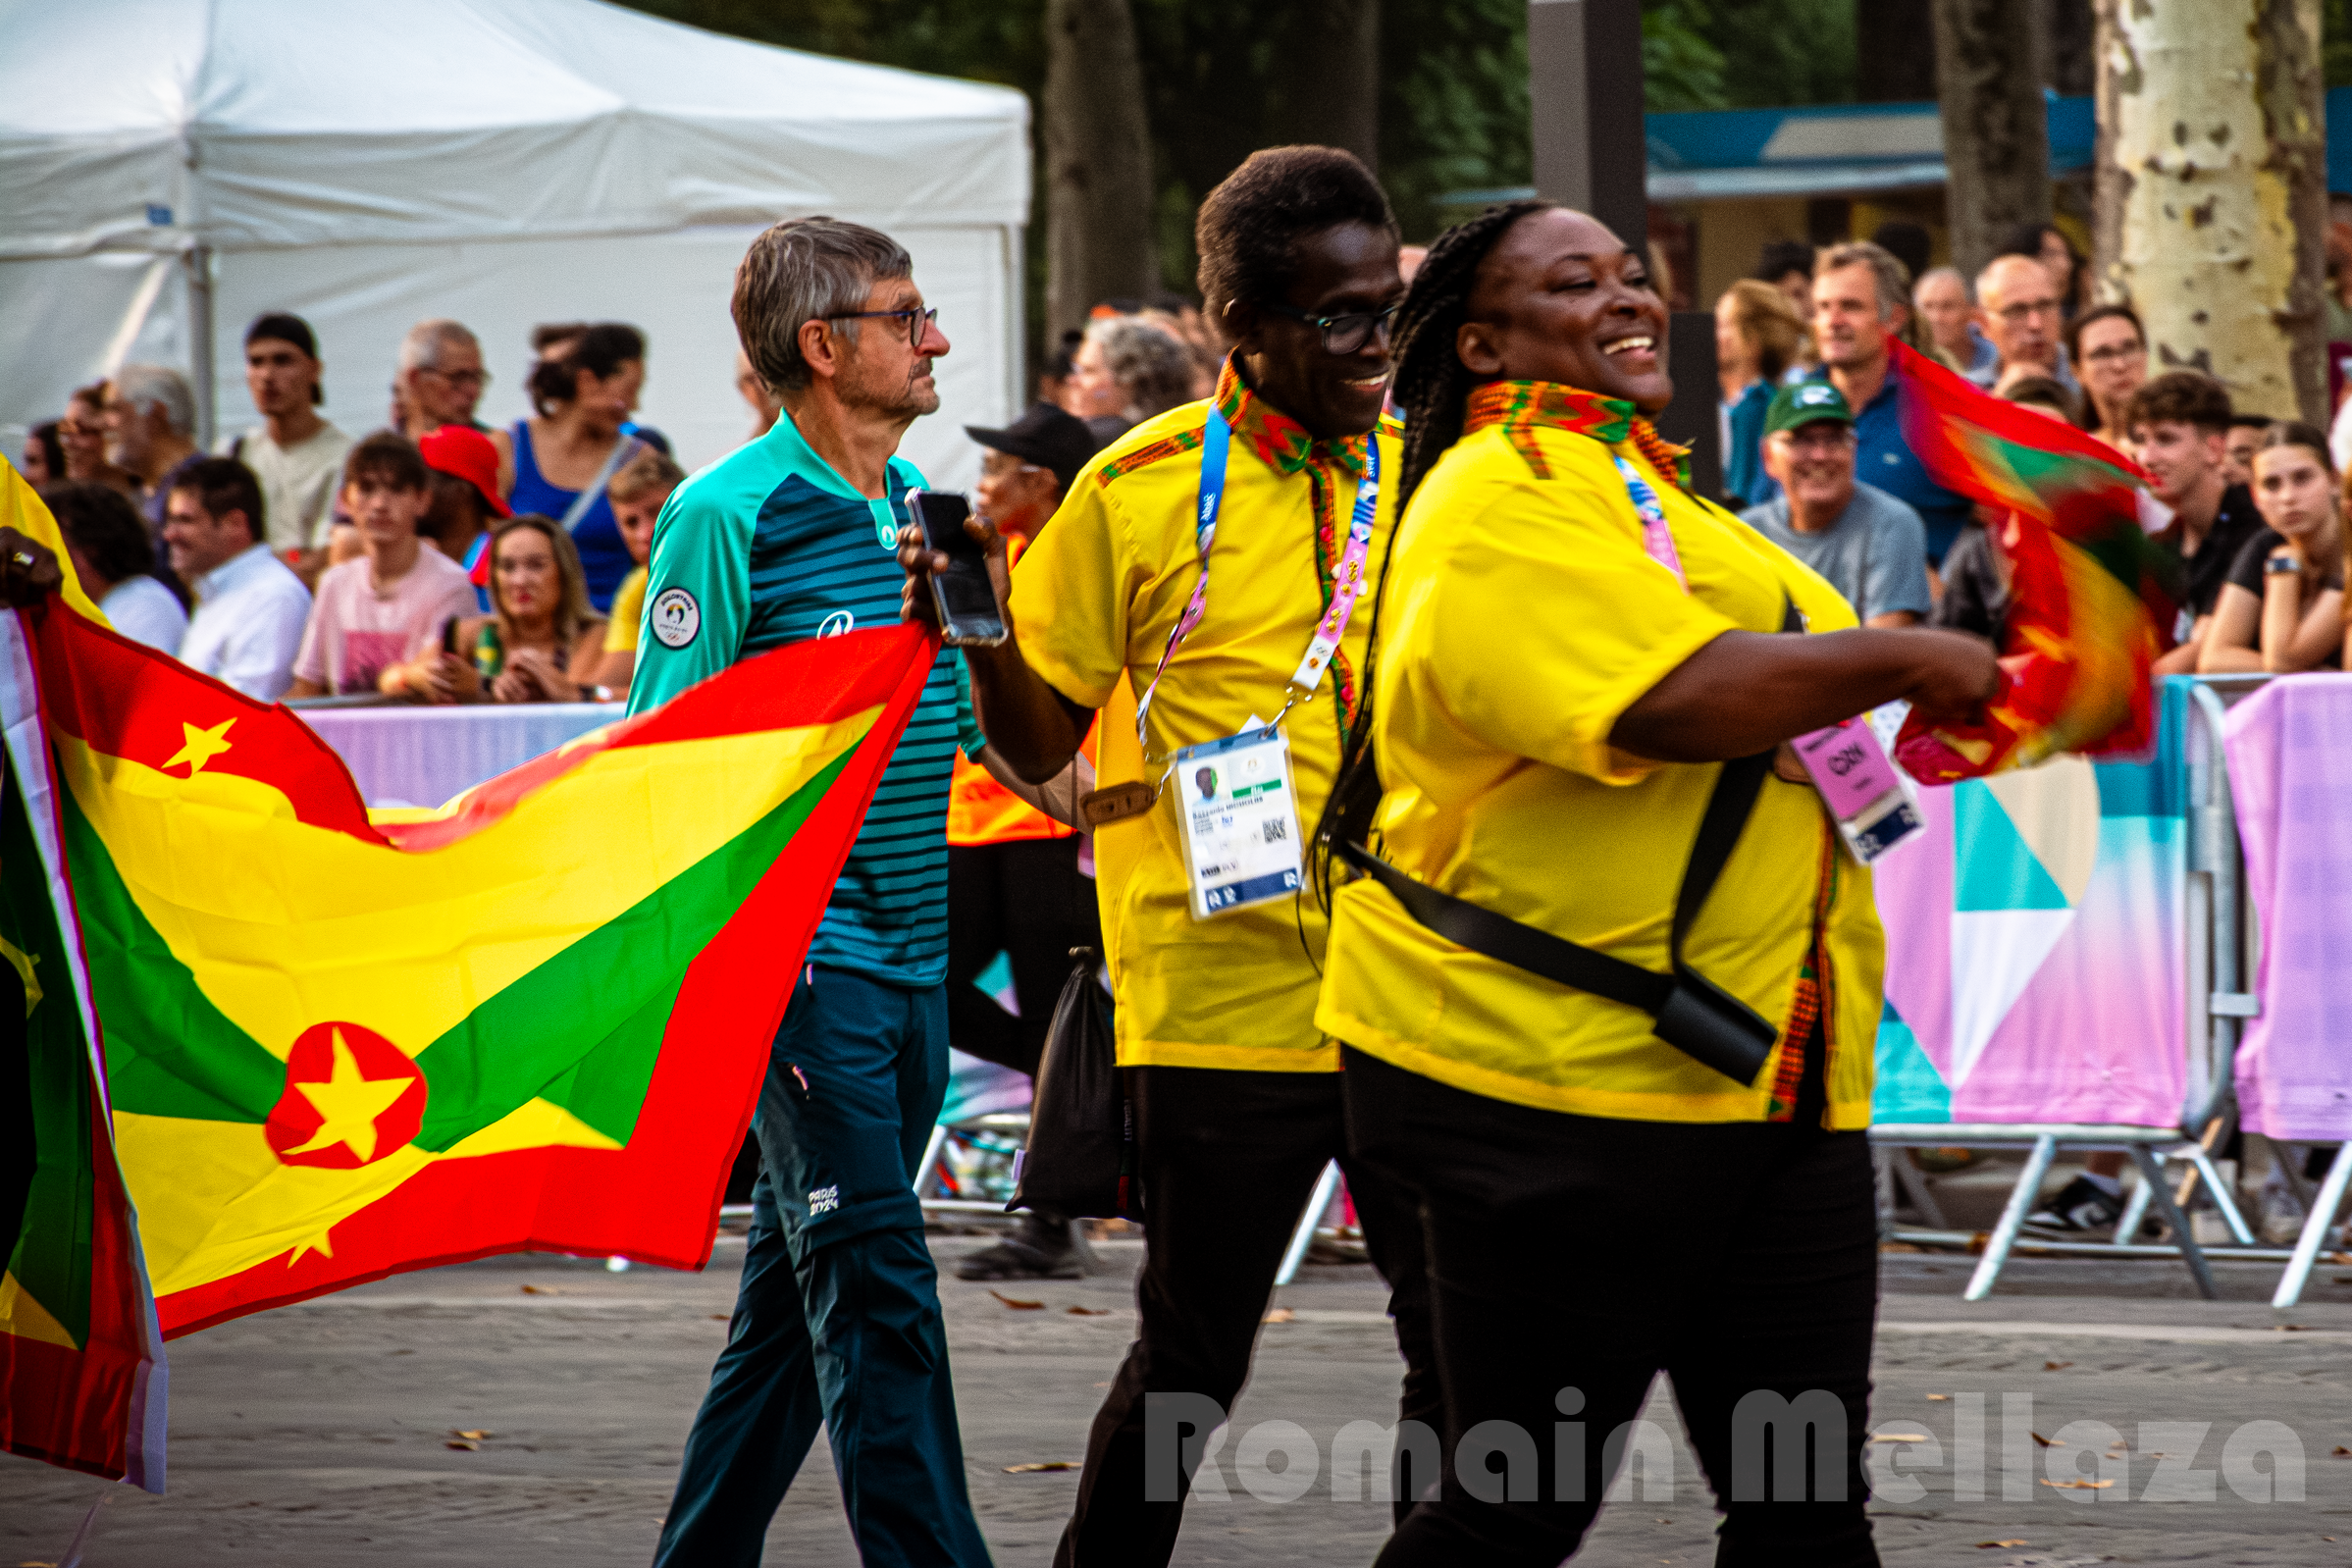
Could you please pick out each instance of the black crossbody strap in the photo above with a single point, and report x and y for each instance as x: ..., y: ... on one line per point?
x: 1689, y: 1012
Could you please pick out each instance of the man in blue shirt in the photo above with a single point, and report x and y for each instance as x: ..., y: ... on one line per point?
x: 794, y: 536
x: 1859, y: 301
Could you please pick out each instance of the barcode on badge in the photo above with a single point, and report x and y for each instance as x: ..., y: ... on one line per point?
x: 1277, y: 829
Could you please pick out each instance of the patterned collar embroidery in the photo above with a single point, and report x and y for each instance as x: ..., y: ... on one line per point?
x: 1280, y: 441
x: 1521, y: 408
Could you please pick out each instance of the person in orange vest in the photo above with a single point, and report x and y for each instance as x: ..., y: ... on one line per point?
x: 1020, y: 895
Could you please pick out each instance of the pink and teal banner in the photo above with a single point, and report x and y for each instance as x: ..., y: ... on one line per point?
x: 2290, y: 771
x: 2035, y: 946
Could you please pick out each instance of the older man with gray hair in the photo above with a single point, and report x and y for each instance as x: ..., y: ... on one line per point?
x: 440, y: 378
x: 151, y: 419
x: 792, y: 537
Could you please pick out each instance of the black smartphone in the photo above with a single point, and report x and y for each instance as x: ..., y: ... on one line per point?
x: 964, y: 591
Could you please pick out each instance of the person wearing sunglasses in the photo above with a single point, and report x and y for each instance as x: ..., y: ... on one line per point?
x: 1217, y: 630
x: 790, y: 537
x: 440, y: 380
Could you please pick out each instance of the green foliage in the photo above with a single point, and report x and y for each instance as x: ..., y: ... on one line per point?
x: 2336, y: 41
x: 1748, y: 54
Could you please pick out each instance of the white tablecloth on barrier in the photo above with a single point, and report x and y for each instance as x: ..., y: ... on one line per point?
x: 424, y: 756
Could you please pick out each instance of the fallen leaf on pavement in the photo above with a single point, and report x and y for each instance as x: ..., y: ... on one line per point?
x: 540, y: 1290
x: 2341, y: 1452
x: 2287, y: 1328
x: 1017, y: 1306
x: 469, y: 1447
x: 1088, y: 1312
x: 2080, y: 1485
x: 718, y: 1317
x: 1982, y: 1544
x: 1281, y: 1315
x: 473, y: 1434
x: 2056, y: 1366
x: 2050, y: 1442
x: 1050, y: 1464
x: 1940, y: 1398
x: 1899, y: 1437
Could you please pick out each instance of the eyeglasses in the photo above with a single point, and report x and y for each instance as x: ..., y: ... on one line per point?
x: 1821, y: 443
x: 1345, y: 334
x: 918, y: 321
x: 2115, y: 351
x: 476, y: 379
x: 2024, y: 308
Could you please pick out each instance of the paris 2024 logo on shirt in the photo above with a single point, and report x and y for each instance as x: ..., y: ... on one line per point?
x: 675, y: 617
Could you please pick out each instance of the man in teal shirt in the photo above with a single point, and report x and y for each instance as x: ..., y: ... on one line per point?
x: 792, y: 537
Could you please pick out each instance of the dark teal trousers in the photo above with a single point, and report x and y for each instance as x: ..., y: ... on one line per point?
x: 837, y: 1322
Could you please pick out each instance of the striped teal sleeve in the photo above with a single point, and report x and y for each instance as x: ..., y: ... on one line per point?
x: 967, y: 722
x: 697, y: 599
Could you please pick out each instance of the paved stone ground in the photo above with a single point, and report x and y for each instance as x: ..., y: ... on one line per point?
x: 317, y: 1435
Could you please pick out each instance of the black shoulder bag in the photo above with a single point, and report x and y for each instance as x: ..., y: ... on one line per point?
x: 1689, y: 1012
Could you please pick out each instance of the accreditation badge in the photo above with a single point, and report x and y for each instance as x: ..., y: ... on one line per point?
x: 1237, y: 816
x: 1871, y: 798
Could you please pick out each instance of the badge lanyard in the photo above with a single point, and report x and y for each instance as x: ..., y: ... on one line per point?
x: 1347, y: 581
x: 1871, y: 800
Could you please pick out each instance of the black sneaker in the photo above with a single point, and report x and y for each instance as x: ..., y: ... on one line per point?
x: 1039, y: 1249
x: 2081, y: 1205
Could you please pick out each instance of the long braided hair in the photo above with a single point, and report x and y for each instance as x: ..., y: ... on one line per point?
x: 1432, y: 387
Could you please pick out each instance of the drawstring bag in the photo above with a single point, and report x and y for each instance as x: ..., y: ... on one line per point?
x: 1080, y: 1162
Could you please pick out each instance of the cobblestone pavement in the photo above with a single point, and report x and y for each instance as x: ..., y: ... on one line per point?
x: 321, y: 1434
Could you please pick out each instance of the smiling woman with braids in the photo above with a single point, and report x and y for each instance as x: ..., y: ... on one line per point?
x: 1575, y: 663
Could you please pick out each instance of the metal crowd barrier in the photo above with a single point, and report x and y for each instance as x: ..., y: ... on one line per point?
x: 2220, y: 960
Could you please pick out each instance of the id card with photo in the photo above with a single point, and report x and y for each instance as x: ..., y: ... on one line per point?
x: 1238, y: 816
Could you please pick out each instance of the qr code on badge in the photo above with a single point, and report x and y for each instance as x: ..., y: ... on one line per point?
x: 1277, y: 829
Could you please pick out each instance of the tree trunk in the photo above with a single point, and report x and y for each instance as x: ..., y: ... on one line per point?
x: 1332, y: 94
x: 1894, y: 50
x: 2212, y: 192
x: 1996, y: 134
x: 1100, y: 238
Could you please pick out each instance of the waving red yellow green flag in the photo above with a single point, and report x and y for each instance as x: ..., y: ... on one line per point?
x: 339, y: 1048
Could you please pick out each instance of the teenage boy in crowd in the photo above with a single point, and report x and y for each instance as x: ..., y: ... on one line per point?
x: 296, y: 455
x: 1236, y: 1094
x: 1013, y: 881
x: 376, y: 613
x: 639, y: 491
x: 251, y: 606
x: 2179, y: 424
x: 838, y: 1319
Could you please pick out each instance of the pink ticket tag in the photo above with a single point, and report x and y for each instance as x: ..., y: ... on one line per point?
x: 1847, y: 767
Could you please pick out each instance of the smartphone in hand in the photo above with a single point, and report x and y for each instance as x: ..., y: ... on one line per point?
x: 964, y: 593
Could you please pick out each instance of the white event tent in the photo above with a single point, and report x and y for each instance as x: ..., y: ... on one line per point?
x: 170, y: 169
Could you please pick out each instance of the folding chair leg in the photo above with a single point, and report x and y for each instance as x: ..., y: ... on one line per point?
x: 2316, y: 1225
x: 1913, y: 1182
x: 2021, y: 1199
x: 1325, y: 1185
x: 2153, y: 1175
x: 1090, y: 1260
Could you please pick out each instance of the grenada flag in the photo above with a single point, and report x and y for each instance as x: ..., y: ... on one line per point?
x: 338, y: 1048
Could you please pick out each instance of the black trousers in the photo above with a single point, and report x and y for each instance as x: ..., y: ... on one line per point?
x: 1573, y: 1258
x: 1229, y: 1162
x: 1027, y: 899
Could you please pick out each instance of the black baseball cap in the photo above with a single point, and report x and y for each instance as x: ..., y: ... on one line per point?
x: 1045, y: 436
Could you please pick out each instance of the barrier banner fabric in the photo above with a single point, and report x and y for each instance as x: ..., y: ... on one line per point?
x: 2034, y: 942
x: 2287, y: 746
x: 341, y: 1045
x: 82, y: 1358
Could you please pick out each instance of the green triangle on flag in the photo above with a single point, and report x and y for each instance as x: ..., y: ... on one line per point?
x: 1994, y: 868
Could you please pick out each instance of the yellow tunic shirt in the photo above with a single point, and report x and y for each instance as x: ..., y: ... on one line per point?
x: 1524, y: 617
x: 1094, y: 600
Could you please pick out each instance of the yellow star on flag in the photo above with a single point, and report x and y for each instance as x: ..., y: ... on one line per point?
x: 200, y: 747
x: 350, y: 1104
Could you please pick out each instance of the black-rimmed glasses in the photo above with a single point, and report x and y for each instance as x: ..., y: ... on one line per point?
x: 1343, y: 334
x: 918, y: 320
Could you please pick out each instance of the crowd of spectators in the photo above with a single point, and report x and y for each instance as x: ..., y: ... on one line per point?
x: 436, y: 559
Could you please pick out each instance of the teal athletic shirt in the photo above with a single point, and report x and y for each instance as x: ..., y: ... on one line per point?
x: 775, y: 547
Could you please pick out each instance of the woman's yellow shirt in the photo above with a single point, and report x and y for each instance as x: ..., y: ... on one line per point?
x: 1523, y: 616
